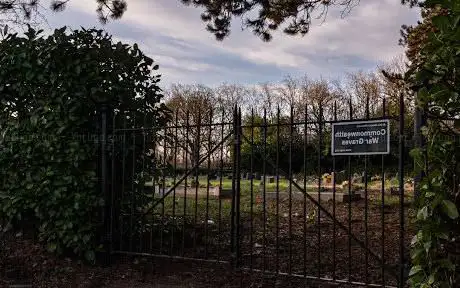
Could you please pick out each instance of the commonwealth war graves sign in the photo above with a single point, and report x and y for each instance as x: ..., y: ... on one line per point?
x: 361, y: 137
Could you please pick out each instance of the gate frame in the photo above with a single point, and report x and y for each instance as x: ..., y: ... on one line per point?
x: 238, y: 137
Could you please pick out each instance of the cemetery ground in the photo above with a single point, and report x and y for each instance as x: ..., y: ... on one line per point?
x: 291, y: 234
x: 297, y: 238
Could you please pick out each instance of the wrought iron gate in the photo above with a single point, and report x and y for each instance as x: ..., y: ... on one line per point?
x: 250, y: 190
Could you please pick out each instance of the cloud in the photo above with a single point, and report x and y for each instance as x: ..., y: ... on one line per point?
x: 174, y: 35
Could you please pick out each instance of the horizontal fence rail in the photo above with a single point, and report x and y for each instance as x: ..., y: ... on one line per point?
x: 263, y: 193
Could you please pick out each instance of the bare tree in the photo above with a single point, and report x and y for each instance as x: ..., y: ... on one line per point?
x: 320, y: 102
x: 363, y: 89
x: 227, y: 96
x: 191, y: 106
x: 262, y: 97
x: 290, y: 94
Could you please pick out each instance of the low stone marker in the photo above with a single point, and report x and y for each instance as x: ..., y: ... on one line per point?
x: 214, y: 191
x: 225, y: 193
x: 324, y: 196
x: 271, y: 179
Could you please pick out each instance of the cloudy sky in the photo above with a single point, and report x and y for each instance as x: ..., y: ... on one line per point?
x: 175, y: 37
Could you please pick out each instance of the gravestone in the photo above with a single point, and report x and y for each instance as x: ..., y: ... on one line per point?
x: 357, y: 178
x: 339, y: 177
x: 225, y: 193
x: 376, y: 178
x: 271, y: 179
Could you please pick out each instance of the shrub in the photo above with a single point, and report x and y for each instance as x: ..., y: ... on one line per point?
x: 51, y: 88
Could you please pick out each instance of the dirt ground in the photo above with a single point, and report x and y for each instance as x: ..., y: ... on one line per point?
x: 24, y: 263
x: 319, y: 250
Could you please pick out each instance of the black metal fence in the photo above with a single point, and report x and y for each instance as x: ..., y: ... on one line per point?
x: 261, y: 192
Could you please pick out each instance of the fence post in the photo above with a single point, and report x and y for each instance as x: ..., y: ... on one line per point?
x: 232, y: 211
x: 236, y: 178
x: 105, y: 191
x: 238, y: 188
x: 402, y: 263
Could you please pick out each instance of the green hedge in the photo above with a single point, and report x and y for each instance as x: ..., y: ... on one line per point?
x: 51, y: 88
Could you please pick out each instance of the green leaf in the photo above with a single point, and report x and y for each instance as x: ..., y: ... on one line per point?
x: 90, y: 256
x: 34, y: 120
x: 52, y: 247
x: 422, y: 214
x: 450, y: 209
x: 415, y: 270
x: 430, y: 194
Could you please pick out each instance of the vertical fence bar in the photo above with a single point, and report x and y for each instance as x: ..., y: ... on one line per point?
x: 277, y: 173
x: 207, y: 184
x: 196, y: 158
x: 104, y: 175
x: 143, y: 175
x: 334, y: 232
x: 238, y: 190
x: 154, y: 179
x: 131, y: 219
x: 251, y: 241
x: 123, y: 168
x: 366, y: 211
x: 401, y: 190
x: 163, y: 187
x: 291, y: 125
x: 175, y: 140
x: 320, y: 144
x: 383, y: 207
x: 366, y: 240
x: 305, y: 189
x: 184, y: 224
x: 349, y: 200
x: 219, y: 240
x: 113, y: 181
x: 233, y: 208
x: 264, y: 192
